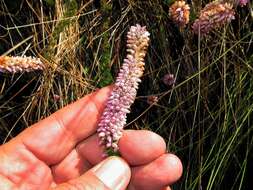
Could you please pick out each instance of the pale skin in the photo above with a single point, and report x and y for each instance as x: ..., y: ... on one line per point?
x: 61, y: 152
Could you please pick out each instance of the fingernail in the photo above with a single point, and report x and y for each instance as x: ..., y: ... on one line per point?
x: 113, y: 172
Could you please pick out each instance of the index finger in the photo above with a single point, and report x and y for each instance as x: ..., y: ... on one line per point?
x: 51, y: 139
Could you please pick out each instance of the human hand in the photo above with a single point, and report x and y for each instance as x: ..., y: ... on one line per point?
x: 62, y: 152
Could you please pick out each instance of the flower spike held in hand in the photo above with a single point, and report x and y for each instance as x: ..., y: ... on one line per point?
x: 124, y: 91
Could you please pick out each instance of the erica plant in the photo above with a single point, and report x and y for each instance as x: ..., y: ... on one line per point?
x: 124, y: 91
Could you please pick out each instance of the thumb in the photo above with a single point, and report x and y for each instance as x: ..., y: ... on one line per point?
x: 112, y: 173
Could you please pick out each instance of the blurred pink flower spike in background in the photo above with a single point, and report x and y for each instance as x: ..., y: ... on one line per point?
x: 214, y: 15
x: 14, y: 64
x: 180, y: 13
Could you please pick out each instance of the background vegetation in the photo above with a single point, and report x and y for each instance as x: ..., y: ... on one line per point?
x: 206, y: 117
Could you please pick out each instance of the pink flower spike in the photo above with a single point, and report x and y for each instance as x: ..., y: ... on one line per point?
x: 214, y: 15
x: 14, y: 64
x: 124, y: 91
x: 180, y: 13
